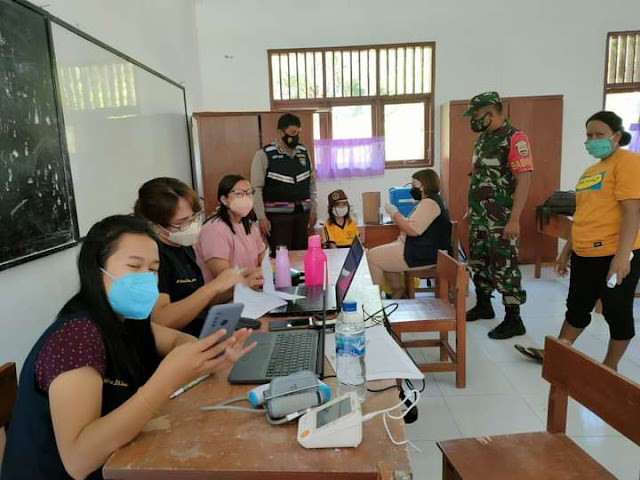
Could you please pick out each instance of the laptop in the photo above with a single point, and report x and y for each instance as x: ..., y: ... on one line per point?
x: 312, y: 303
x: 279, y: 354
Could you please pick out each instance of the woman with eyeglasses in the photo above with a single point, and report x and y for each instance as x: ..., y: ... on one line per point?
x: 231, y: 238
x: 174, y: 210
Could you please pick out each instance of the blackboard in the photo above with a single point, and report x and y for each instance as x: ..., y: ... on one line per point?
x: 37, y: 214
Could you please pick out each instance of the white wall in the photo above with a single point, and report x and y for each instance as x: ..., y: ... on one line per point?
x: 515, y: 47
x: 158, y: 33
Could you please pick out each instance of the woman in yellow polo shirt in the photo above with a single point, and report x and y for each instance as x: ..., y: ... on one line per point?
x: 340, y: 229
x: 603, y: 238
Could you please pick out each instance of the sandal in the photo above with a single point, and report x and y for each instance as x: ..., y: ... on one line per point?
x: 536, y: 354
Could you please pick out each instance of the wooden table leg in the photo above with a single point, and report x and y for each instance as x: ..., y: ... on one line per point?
x: 538, y: 270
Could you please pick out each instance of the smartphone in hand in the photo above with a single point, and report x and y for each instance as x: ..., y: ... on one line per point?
x: 224, y: 316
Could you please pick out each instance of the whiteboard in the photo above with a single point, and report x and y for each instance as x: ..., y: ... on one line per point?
x: 123, y: 125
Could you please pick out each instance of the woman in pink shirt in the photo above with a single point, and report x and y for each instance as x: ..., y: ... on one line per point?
x: 231, y: 238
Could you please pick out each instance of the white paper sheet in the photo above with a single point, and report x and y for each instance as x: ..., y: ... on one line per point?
x: 268, y: 287
x: 256, y: 304
x: 384, y: 359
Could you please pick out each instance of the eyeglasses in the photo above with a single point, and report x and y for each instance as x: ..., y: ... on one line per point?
x: 196, y: 217
x: 243, y: 193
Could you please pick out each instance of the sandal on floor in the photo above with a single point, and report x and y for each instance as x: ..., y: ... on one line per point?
x: 536, y: 354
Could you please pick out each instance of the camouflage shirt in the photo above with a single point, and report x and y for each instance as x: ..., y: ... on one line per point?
x: 496, y: 156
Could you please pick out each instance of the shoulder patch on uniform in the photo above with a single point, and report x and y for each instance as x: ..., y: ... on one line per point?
x: 523, y: 148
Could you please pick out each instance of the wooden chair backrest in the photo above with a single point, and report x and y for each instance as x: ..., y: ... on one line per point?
x: 8, y: 392
x: 452, y: 282
x: 612, y: 397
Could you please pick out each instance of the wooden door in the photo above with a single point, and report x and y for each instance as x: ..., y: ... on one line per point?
x: 269, y: 128
x: 541, y: 119
x: 227, y: 145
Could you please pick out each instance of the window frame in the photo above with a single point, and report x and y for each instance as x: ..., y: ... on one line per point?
x: 624, y: 87
x: 377, y: 102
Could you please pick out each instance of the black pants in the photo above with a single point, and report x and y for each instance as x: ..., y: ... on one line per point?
x: 588, y: 283
x: 288, y: 229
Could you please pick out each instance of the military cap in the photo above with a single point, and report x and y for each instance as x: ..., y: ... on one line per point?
x: 482, y: 100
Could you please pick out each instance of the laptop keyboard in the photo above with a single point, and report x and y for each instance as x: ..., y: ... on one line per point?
x: 292, y: 353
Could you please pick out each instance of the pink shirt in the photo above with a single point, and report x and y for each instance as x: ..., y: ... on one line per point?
x: 218, y: 241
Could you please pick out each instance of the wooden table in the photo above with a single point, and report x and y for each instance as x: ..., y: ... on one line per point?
x: 185, y: 443
x: 552, y: 225
x: 374, y: 235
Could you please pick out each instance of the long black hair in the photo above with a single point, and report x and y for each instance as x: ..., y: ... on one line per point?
x: 100, y: 243
x: 615, y: 124
x: 224, y: 187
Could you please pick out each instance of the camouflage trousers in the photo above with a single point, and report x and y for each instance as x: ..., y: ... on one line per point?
x: 493, y: 261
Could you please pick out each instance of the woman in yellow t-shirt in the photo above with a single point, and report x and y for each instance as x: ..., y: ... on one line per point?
x: 603, y: 238
x: 340, y: 229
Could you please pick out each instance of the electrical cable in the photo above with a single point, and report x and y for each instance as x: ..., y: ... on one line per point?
x: 385, y: 413
x: 226, y: 405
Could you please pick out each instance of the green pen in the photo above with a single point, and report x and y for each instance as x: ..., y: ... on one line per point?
x: 188, y: 386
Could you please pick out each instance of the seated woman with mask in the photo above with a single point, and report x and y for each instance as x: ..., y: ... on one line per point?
x: 102, y: 370
x: 340, y: 229
x: 423, y: 233
x: 176, y: 214
x: 231, y: 238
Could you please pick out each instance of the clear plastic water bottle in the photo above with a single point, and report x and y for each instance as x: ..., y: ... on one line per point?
x: 350, y: 348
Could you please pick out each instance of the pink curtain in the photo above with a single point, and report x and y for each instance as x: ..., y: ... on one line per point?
x: 635, y: 137
x: 358, y: 157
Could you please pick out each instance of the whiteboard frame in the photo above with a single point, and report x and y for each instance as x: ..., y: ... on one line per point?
x: 49, y: 19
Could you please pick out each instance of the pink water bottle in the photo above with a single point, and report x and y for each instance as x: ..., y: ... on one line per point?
x: 283, y: 268
x: 314, y: 262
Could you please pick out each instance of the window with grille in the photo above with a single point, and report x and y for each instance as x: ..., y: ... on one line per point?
x: 622, y: 77
x: 366, y: 91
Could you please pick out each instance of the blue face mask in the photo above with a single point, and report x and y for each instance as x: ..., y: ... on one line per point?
x: 133, y: 295
x: 599, y: 147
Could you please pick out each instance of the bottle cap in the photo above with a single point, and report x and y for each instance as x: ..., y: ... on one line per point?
x: 349, y: 307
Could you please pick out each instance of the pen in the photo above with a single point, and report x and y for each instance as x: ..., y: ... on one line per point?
x: 188, y: 386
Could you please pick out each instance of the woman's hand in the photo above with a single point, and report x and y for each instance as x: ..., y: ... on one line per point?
x: 253, y: 278
x: 561, y: 268
x: 190, y: 360
x: 621, y: 266
x: 228, y: 279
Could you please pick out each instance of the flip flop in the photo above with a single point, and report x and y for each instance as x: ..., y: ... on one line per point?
x: 536, y: 354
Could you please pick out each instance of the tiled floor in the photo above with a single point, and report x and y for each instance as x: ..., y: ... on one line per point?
x: 505, y: 392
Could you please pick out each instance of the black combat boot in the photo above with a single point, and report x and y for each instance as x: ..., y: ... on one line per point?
x: 512, y: 325
x: 483, y: 309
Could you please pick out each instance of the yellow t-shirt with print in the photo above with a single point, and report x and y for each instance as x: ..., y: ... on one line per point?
x: 596, y: 223
x: 341, y: 236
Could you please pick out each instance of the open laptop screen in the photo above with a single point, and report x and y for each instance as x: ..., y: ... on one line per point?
x: 354, y: 256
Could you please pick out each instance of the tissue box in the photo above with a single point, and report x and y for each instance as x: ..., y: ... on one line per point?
x: 402, y: 199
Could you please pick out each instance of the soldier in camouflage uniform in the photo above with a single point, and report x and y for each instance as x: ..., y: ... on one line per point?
x: 498, y: 191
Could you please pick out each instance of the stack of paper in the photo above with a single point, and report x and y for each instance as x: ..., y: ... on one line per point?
x: 257, y: 304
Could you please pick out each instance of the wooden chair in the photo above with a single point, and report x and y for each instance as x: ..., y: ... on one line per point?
x: 551, y: 454
x: 444, y: 314
x: 8, y: 393
x: 429, y: 272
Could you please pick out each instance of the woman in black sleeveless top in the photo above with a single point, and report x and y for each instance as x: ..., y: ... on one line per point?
x: 423, y: 233
x: 97, y: 374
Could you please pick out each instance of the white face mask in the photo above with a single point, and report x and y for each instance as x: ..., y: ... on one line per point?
x: 241, y: 206
x: 188, y: 236
x: 340, y: 211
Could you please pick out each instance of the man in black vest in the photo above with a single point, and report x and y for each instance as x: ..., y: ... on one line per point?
x: 285, y: 188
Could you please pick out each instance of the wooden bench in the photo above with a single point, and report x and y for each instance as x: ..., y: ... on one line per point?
x: 551, y: 454
x: 430, y: 271
x: 443, y: 314
x: 8, y: 393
